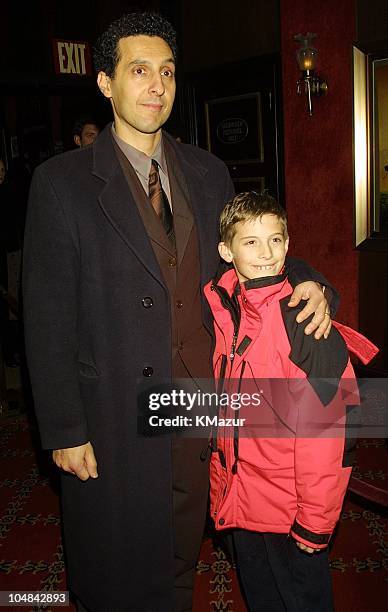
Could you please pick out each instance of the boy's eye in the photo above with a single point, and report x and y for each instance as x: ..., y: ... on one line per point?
x: 277, y: 239
x: 251, y: 242
x: 139, y: 70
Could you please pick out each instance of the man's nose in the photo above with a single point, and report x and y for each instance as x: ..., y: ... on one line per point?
x: 157, y: 85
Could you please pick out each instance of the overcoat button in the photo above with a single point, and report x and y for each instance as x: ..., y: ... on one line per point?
x: 147, y: 302
x: 221, y: 521
x: 179, y: 304
x: 172, y: 262
x: 148, y: 371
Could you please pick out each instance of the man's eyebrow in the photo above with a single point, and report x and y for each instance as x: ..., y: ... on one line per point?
x: 169, y: 60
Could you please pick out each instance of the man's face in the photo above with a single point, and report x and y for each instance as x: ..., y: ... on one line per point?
x: 258, y: 248
x: 89, y: 133
x: 142, y: 89
x: 2, y: 171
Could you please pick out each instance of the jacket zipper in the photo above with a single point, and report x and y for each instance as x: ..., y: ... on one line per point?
x: 233, y: 348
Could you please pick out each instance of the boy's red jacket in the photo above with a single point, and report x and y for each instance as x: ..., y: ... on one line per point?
x: 295, y: 483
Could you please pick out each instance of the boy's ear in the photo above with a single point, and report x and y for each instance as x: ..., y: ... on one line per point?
x: 225, y: 252
x: 287, y: 243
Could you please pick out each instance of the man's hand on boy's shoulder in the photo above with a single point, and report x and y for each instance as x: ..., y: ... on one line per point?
x: 316, y: 304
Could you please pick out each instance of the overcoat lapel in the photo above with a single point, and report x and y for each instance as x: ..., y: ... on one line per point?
x: 119, y: 206
x: 151, y: 221
x: 203, y: 204
x: 183, y: 217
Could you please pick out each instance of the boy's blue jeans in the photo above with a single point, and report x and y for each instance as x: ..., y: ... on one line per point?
x: 276, y: 576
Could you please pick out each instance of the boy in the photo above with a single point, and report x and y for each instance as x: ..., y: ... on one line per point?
x: 282, y: 496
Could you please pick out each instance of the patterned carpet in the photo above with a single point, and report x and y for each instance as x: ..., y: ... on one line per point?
x: 31, y: 556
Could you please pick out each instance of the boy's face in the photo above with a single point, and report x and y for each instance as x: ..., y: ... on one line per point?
x: 258, y: 248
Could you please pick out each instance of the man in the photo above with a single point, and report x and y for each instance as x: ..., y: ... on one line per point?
x: 113, y: 296
x: 85, y: 131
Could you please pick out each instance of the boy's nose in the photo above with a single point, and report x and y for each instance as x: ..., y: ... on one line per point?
x: 265, y: 252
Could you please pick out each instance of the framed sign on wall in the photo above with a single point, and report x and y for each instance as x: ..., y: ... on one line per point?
x: 234, y: 129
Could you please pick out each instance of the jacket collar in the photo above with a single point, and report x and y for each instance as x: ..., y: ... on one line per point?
x: 204, y: 198
x: 104, y: 159
x: 254, y: 293
x: 117, y: 202
x: 104, y: 164
x: 118, y: 205
x: 262, y: 292
x: 229, y: 281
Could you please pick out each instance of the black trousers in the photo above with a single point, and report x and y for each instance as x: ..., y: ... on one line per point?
x: 276, y: 576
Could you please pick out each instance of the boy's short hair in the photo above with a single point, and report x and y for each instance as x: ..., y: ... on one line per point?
x: 247, y: 206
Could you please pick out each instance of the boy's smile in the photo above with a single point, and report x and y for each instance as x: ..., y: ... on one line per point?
x: 258, y: 248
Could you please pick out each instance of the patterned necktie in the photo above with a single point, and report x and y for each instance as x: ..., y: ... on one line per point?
x: 159, y: 201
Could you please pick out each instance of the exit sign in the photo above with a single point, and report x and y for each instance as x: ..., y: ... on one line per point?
x: 72, y: 57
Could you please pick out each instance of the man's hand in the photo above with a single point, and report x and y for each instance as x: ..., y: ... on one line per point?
x: 305, y: 548
x: 317, y: 304
x: 79, y: 460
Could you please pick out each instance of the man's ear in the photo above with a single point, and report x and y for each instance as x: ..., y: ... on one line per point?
x: 77, y: 140
x: 225, y: 252
x: 103, y: 82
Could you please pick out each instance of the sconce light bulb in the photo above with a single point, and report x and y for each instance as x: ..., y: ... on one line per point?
x: 307, y: 58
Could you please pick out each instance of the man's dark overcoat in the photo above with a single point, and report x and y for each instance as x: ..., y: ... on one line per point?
x: 88, y: 264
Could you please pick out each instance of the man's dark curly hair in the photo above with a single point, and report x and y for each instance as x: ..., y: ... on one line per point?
x: 106, y: 53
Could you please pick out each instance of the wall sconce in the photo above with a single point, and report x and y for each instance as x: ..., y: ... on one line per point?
x: 310, y: 83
